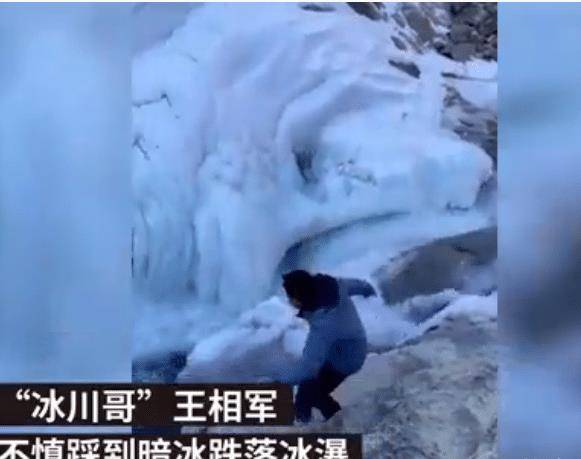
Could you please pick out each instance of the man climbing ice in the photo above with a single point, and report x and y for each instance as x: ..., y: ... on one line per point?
x: 336, y: 345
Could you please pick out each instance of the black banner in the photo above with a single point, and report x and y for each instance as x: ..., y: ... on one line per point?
x: 323, y: 446
x: 146, y: 404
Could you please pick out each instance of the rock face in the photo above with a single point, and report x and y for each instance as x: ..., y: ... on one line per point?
x: 371, y: 10
x: 477, y: 125
x: 473, y: 31
x: 432, y: 398
x: 460, y: 31
x: 465, y: 263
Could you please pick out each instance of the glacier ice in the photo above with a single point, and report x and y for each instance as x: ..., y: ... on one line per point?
x: 251, y: 136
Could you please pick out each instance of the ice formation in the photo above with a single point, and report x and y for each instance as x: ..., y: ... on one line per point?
x: 257, y: 127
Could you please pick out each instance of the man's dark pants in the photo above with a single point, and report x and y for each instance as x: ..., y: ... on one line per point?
x: 315, y: 393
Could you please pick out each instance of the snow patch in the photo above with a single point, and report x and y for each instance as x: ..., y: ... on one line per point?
x: 273, y: 325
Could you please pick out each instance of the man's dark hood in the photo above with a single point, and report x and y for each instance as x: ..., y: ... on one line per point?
x: 325, y: 295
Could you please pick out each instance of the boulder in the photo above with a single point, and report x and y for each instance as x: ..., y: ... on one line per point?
x: 432, y: 398
x: 465, y: 263
x: 407, y: 67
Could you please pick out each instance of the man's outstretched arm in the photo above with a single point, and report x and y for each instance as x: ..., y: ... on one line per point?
x: 357, y: 287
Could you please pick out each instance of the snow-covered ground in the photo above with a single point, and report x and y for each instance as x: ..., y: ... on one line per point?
x: 270, y: 337
x: 287, y: 134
